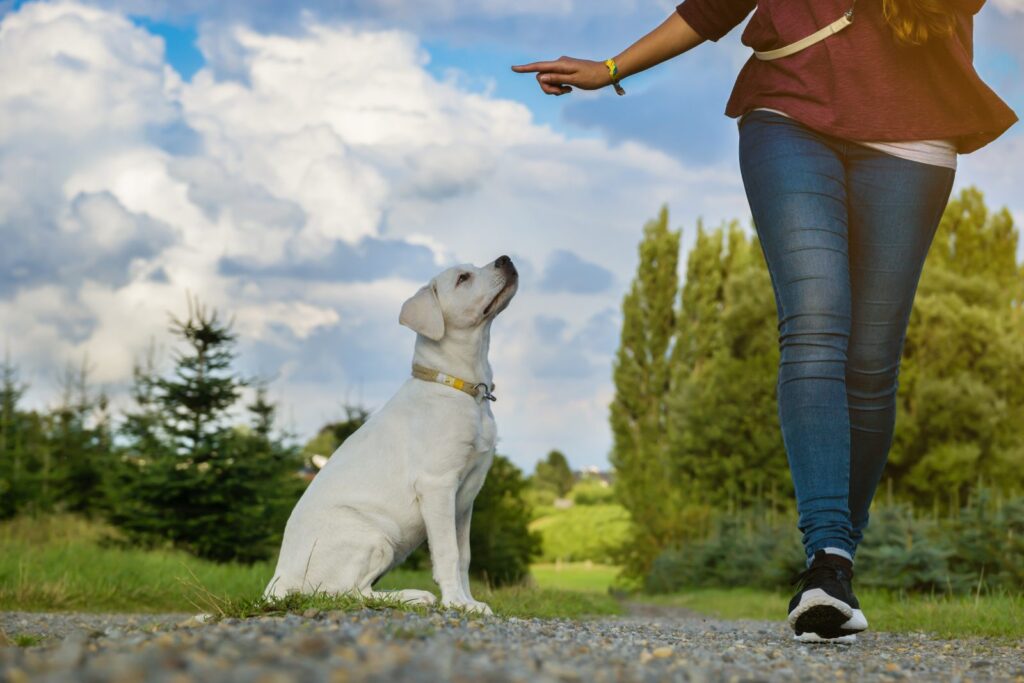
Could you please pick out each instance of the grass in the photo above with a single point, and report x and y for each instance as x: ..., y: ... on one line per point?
x: 943, y: 616
x: 20, y: 639
x: 578, y: 576
x: 529, y: 601
x: 61, y: 563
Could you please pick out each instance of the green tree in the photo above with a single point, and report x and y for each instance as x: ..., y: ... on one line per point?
x: 554, y: 473
x: 79, y: 449
x: 724, y: 428
x: 501, y: 543
x: 960, y: 399
x: 16, y: 481
x: 646, y: 484
x: 189, y: 478
x: 49, y: 461
x: 202, y: 388
x: 260, y: 485
x: 333, y: 434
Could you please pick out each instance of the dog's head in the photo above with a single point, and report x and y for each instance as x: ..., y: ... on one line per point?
x: 462, y: 297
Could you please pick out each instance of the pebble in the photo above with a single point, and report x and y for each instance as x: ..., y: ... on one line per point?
x: 339, y: 647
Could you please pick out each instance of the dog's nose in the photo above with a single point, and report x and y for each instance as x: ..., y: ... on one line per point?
x: 502, y: 262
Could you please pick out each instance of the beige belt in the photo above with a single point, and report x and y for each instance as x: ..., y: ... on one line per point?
x: 835, y: 27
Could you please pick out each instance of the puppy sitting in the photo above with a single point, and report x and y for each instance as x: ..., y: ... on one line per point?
x: 412, y: 471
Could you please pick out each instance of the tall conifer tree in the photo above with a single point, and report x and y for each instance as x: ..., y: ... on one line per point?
x: 642, y: 376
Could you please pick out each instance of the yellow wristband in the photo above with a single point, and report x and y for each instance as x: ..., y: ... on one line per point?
x: 613, y: 71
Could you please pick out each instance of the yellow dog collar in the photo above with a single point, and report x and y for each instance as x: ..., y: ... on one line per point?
x: 431, y: 375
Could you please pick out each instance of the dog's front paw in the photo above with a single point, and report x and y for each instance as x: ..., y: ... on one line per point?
x: 408, y: 596
x: 481, y: 608
x: 472, y: 606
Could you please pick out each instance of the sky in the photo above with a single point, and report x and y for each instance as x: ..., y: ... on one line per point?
x: 306, y: 166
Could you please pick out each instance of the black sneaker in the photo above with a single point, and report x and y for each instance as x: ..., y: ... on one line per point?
x: 825, y: 604
x: 854, y: 625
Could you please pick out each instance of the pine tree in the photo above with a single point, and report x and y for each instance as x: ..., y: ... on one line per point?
x: 13, y: 474
x: 189, y: 478
x: 645, y: 483
x: 140, y: 479
x: 79, y: 446
x: 255, y: 490
x: 142, y: 428
x: 202, y: 388
x: 25, y: 458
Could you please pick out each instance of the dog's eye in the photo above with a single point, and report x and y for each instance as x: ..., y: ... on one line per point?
x: 462, y: 278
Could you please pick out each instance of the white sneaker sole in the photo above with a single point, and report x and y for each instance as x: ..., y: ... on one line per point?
x: 857, y: 623
x: 815, y: 638
x: 827, y: 613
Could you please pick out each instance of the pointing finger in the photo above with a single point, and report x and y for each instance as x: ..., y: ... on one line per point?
x: 550, y: 67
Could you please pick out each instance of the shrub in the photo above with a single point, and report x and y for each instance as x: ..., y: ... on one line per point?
x: 501, y: 543
x: 980, y: 549
x: 592, y: 491
x: 904, y: 552
x: 742, y: 550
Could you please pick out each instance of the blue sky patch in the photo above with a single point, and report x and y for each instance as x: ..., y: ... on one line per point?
x: 182, y: 52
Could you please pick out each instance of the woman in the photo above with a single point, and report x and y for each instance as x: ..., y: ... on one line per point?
x: 847, y: 151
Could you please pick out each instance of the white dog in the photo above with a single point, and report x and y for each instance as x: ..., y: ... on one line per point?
x: 413, y: 470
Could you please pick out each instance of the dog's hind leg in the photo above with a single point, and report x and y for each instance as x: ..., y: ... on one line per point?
x: 380, y: 563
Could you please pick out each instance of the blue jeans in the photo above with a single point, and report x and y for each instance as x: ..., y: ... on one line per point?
x: 844, y: 230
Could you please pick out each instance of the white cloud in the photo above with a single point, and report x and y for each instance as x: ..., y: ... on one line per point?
x: 325, y: 138
x: 1009, y: 6
x: 121, y: 187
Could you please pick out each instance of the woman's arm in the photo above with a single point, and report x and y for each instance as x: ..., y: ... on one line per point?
x: 673, y: 37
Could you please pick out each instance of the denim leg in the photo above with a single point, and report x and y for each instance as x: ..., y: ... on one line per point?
x: 894, y: 209
x: 795, y: 183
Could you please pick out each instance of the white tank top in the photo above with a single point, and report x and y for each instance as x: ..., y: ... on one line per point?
x: 940, y: 152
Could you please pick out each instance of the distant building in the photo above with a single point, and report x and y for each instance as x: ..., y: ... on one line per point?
x: 606, y: 477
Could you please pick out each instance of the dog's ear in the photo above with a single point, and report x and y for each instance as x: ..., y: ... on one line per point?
x: 422, y: 313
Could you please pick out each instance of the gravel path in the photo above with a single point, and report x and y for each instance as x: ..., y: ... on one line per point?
x: 395, y: 646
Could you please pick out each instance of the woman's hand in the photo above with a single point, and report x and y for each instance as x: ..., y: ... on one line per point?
x: 673, y: 37
x: 559, y: 77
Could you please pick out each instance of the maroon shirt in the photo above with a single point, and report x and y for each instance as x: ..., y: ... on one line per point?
x: 858, y: 84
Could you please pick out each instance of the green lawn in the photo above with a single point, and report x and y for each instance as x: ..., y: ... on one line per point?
x: 580, y: 576
x: 60, y: 564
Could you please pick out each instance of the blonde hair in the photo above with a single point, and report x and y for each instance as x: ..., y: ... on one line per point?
x: 913, y: 22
